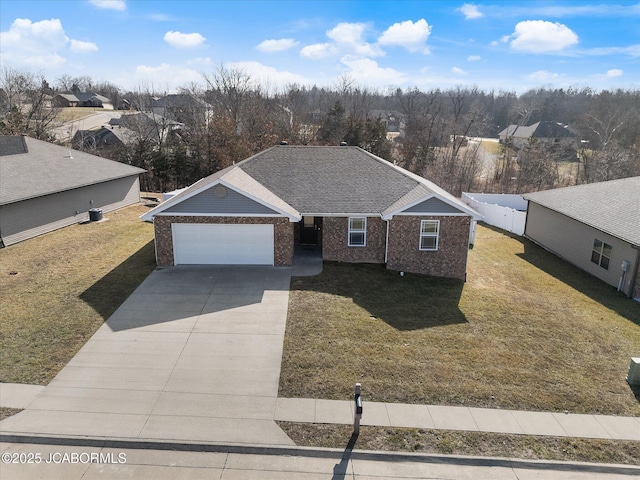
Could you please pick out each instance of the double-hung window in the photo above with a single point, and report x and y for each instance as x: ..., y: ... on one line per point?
x: 357, y: 231
x: 601, y: 253
x: 429, y: 230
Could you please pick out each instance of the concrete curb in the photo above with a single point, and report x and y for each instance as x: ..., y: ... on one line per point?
x: 312, y: 452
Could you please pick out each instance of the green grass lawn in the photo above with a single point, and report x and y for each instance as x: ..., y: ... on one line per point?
x: 526, y: 331
x: 58, y: 288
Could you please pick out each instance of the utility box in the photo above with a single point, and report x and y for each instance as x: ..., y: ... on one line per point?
x: 633, y: 377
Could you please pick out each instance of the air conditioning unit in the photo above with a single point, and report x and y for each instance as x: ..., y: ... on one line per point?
x: 633, y: 377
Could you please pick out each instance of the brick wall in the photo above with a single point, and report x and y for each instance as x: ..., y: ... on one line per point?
x: 450, y: 260
x: 335, y: 241
x: 282, y: 231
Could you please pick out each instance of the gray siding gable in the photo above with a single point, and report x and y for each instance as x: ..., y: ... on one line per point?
x: 233, y: 203
x: 433, y: 205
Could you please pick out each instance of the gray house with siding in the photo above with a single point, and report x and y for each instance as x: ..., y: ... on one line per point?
x: 350, y: 204
x: 595, y: 226
x: 45, y: 186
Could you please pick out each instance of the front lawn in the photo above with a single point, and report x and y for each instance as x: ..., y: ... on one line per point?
x: 526, y: 331
x: 58, y: 288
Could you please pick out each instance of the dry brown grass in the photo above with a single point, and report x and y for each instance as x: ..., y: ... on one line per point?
x: 527, y: 331
x: 71, y: 114
x: 67, y: 283
x: 449, y: 442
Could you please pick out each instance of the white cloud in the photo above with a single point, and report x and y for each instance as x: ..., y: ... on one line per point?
x: 79, y: 46
x: 119, y: 5
x: 474, y: 58
x: 166, y: 76
x: 412, y: 36
x: 39, y: 44
x: 268, y: 76
x: 631, y: 50
x: 539, y: 36
x: 470, y: 11
x: 458, y: 71
x: 270, y: 46
x: 184, y: 40
x: 616, y: 72
x: 543, y: 76
x: 368, y: 72
x: 318, y: 50
x: 348, y: 36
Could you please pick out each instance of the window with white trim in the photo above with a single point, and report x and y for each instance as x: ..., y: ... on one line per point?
x: 601, y: 253
x: 429, y: 232
x: 357, y: 231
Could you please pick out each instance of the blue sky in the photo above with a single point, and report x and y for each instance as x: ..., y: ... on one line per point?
x: 164, y: 44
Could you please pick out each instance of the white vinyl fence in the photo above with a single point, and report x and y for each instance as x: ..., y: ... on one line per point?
x: 508, y: 212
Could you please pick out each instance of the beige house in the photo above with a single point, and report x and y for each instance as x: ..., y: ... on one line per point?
x: 545, y: 132
x: 346, y: 202
x: 595, y: 226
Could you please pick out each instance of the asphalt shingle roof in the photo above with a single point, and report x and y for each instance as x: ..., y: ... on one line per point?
x: 45, y: 168
x: 612, y: 207
x: 328, y: 179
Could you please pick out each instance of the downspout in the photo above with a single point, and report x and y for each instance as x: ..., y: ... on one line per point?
x: 386, y: 244
x: 634, y: 274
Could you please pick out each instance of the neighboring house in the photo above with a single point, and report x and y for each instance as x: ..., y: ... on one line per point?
x: 45, y: 187
x: 105, y: 138
x: 594, y: 226
x: 82, y: 99
x: 149, y: 126
x: 543, y: 132
x: 393, y: 122
x: 357, y: 207
x: 183, y: 108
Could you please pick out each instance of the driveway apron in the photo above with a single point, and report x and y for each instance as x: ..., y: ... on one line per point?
x: 193, y: 354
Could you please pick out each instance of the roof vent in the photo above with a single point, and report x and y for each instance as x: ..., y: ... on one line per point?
x: 343, y: 144
x: 220, y: 191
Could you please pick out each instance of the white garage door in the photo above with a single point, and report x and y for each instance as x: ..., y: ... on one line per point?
x: 222, y: 244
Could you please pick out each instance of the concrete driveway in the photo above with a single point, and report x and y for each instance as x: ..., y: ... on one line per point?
x: 194, y: 355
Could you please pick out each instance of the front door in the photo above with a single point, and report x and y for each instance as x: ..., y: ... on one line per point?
x: 309, y: 230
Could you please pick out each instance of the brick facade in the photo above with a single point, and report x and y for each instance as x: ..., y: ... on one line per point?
x: 282, y: 231
x: 335, y: 241
x: 450, y: 260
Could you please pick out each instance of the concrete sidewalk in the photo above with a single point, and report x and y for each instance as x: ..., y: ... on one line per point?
x: 471, y: 419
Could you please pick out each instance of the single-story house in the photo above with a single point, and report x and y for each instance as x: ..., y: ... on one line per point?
x: 594, y: 226
x: 46, y: 186
x: 355, y: 206
x: 82, y: 99
x: 183, y: 108
x: 544, y: 132
x: 104, y: 138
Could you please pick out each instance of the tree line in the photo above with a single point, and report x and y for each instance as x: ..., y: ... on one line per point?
x: 230, y: 116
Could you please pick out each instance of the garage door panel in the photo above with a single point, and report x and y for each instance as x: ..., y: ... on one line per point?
x: 223, y: 244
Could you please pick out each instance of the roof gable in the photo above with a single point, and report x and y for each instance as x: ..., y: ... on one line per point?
x: 220, y: 200
x: 612, y: 207
x: 253, y: 199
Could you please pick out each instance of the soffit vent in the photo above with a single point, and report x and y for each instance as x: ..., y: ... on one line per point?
x: 220, y: 191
